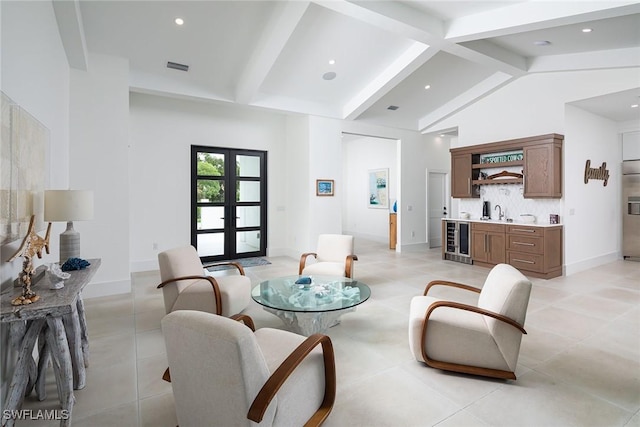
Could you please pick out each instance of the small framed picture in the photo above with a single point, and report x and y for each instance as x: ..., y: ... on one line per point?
x: 324, y: 187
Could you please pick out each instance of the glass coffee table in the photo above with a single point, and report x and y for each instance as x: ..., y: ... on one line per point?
x: 310, y: 308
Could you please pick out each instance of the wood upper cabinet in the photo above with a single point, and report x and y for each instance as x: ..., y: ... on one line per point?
x: 461, y: 176
x: 541, y: 166
x: 543, y: 171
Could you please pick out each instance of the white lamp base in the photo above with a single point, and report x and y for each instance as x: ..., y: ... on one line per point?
x: 69, y: 243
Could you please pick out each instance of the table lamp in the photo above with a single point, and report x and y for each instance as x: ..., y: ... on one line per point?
x: 69, y: 206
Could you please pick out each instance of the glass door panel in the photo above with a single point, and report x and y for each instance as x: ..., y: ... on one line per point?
x: 248, y: 166
x: 210, y: 217
x: 247, y: 241
x: 211, y: 244
x: 210, y: 191
x: 248, y: 191
x: 248, y: 216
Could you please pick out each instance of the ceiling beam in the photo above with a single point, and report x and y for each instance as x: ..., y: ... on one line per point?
x: 71, y: 31
x: 392, y: 17
x: 534, y: 15
x: 278, y: 30
x: 410, y: 60
x: 614, y: 58
x: 490, y: 55
x: 479, y: 91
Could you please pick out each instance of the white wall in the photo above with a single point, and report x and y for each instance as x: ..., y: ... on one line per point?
x: 162, y: 132
x: 360, y: 155
x: 296, y: 209
x: 592, y: 211
x: 325, y: 162
x: 99, y: 114
x: 35, y: 74
x: 535, y: 105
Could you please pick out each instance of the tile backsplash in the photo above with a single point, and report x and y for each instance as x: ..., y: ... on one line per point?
x: 512, y: 202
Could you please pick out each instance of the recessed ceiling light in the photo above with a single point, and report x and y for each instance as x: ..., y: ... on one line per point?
x: 442, y: 135
x: 179, y: 21
x: 542, y: 42
x: 634, y: 106
x: 332, y: 61
x: 586, y: 30
x: 427, y: 87
x: 329, y: 76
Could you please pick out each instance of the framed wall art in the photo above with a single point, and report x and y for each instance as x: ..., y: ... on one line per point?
x: 379, y: 188
x: 23, y: 170
x: 324, y: 187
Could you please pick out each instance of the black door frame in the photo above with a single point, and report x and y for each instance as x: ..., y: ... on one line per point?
x: 230, y: 204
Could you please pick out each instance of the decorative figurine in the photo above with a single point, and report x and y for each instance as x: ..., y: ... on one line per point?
x: 31, y: 246
x: 56, y: 276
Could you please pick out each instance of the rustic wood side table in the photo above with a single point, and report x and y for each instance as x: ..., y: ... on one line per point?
x: 57, y: 323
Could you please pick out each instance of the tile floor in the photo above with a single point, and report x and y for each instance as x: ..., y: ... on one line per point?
x: 579, y: 364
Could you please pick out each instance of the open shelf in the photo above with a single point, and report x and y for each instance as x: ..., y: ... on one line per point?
x: 497, y: 165
x: 497, y: 181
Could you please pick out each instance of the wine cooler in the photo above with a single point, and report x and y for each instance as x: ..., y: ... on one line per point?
x: 457, y: 246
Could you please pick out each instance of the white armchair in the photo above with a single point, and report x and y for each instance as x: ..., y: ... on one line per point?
x: 224, y: 374
x: 481, y: 340
x: 187, y: 286
x: 334, y: 257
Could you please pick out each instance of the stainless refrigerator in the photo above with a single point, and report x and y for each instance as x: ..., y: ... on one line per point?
x: 631, y: 209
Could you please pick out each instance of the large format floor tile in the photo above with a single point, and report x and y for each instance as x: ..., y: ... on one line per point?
x: 579, y: 363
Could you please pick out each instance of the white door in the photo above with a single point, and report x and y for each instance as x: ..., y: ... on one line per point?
x: 437, y: 206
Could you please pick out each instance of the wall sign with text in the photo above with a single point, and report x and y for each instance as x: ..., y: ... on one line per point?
x: 601, y: 173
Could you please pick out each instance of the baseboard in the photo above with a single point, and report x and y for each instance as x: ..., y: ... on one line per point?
x: 411, y: 247
x: 94, y: 290
x: 273, y: 252
x: 140, y: 266
x: 372, y: 237
x: 579, y: 266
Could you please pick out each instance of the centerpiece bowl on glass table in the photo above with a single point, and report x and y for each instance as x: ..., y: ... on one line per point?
x: 310, y: 304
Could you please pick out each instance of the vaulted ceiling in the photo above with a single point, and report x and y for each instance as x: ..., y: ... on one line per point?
x: 427, y: 58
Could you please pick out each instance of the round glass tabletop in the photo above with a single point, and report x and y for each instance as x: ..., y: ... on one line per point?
x: 310, y: 293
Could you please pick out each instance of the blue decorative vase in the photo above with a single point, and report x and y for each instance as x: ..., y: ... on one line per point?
x: 395, y: 206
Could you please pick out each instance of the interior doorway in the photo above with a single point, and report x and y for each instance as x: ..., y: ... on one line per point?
x: 364, y: 155
x: 437, y: 205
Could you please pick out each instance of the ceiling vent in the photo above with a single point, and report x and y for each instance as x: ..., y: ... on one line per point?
x: 177, y: 66
x: 392, y: 107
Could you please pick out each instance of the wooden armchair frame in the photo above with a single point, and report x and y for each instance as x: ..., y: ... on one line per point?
x: 281, y: 374
x: 467, y: 369
x: 348, y: 264
x: 214, y: 284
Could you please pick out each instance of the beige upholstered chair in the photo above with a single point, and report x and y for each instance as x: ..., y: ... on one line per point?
x: 186, y: 285
x: 224, y: 374
x: 334, y: 257
x: 481, y: 340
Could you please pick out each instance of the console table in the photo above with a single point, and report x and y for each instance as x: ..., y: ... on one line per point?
x: 57, y: 323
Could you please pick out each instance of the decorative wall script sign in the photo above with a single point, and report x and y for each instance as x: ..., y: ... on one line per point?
x: 596, y: 173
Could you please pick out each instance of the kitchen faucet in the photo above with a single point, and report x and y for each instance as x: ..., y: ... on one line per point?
x: 500, y: 214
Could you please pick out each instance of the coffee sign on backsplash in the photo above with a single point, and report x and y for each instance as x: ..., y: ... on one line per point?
x: 601, y: 173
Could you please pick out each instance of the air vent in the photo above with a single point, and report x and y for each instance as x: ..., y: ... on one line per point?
x: 392, y: 107
x: 177, y: 66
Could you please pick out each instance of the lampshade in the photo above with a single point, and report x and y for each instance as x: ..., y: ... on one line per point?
x: 68, y: 205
